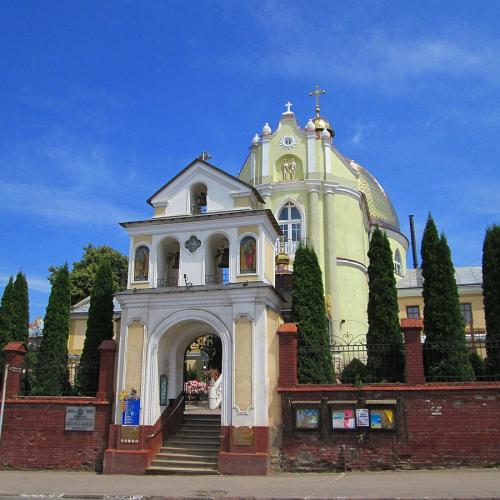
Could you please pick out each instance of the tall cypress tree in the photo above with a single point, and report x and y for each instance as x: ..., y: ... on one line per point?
x: 51, y: 371
x: 99, y: 328
x: 491, y: 297
x: 6, y: 320
x: 21, y: 309
x: 447, y: 354
x: 309, y: 312
x: 384, y: 338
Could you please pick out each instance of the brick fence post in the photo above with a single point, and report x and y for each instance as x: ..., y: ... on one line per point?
x: 107, y: 349
x: 14, y: 357
x: 287, y: 334
x: 414, y: 357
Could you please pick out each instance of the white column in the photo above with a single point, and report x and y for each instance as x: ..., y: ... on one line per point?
x: 327, y: 148
x: 265, y: 160
x: 311, y: 153
x: 313, y: 236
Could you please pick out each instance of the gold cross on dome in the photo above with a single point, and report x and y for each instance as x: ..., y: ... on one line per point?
x: 317, y: 92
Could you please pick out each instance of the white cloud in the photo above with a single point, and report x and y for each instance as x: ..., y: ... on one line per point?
x: 293, y: 44
x: 60, y: 206
x: 34, y: 283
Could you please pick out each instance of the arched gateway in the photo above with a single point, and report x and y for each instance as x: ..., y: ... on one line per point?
x: 222, y: 262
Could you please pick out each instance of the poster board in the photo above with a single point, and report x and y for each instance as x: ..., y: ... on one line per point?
x: 307, y: 418
x: 382, y: 419
x: 343, y: 418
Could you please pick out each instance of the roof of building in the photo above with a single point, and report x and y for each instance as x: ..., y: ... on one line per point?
x: 83, y: 306
x: 213, y: 167
x: 380, y: 208
x: 464, y: 276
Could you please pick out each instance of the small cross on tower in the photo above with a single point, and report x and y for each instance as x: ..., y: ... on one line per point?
x: 317, y: 92
x: 288, y: 107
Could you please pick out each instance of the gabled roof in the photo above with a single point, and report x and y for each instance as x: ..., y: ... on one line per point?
x: 83, y: 306
x: 465, y: 276
x: 213, y: 167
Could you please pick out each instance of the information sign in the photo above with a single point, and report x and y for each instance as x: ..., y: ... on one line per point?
x: 382, y: 418
x: 343, y: 418
x: 80, y: 418
x: 131, y: 412
x: 163, y: 390
x: 362, y: 417
x: 307, y: 418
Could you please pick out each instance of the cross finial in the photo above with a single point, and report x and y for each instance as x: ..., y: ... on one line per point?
x: 317, y: 92
x: 288, y: 107
x: 205, y: 155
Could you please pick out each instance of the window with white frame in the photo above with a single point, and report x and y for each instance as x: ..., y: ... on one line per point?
x: 290, y: 222
x: 398, y: 266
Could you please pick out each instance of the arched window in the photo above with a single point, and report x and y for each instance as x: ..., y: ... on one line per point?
x: 141, y: 263
x: 198, y: 199
x: 290, y: 222
x: 398, y: 266
x: 248, y: 255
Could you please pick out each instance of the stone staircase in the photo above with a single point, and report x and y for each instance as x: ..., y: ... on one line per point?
x: 192, y: 450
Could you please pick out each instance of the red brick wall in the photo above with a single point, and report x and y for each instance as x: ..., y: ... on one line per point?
x: 33, y: 435
x: 440, y: 425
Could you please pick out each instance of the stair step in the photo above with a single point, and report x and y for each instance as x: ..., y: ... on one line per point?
x: 185, y: 455
x: 190, y: 432
x: 189, y: 450
x: 183, y: 464
x: 179, y: 471
x: 196, y: 437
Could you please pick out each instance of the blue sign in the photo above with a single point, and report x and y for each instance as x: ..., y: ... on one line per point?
x: 131, y: 411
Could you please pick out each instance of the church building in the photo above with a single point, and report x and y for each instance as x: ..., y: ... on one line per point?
x: 204, y: 264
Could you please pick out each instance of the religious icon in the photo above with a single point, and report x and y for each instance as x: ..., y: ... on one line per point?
x: 141, y: 264
x: 248, y: 255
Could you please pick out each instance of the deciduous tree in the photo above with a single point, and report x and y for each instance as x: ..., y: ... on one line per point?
x: 83, y: 274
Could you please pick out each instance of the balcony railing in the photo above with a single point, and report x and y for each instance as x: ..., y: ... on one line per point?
x: 216, y: 279
x: 168, y: 282
x: 289, y: 246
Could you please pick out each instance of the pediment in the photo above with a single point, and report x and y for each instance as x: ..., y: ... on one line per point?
x: 200, y: 171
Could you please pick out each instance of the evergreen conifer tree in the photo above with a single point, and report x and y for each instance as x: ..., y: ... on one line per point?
x: 21, y: 310
x: 384, y: 338
x: 51, y: 371
x: 309, y: 312
x: 491, y: 298
x: 447, y: 356
x: 6, y: 320
x: 99, y: 328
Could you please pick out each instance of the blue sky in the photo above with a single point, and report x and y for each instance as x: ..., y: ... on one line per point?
x: 102, y: 102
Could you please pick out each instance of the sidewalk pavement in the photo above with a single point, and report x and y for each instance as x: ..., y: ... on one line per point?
x: 454, y: 483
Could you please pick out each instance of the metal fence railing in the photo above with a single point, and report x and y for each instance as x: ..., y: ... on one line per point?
x: 449, y: 362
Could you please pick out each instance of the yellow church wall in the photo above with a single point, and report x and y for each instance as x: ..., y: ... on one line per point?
x: 340, y: 171
x: 142, y: 239
x: 269, y: 265
x: 244, y: 174
x: 159, y: 211
x: 243, y: 363
x: 243, y: 202
x: 77, y: 331
x: 353, y: 296
x: 133, y: 366
x: 349, y: 227
x: 273, y: 321
x: 248, y: 229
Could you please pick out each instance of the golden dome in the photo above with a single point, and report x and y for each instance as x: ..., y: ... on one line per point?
x: 320, y: 123
x: 282, y: 259
x: 380, y: 208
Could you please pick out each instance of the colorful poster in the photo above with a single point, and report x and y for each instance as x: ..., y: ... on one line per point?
x: 343, y: 419
x: 307, y: 418
x: 362, y: 417
x: 382, y: 418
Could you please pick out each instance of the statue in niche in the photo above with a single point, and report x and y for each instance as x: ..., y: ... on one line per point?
x: 141, y: 264
x: 288, y: 168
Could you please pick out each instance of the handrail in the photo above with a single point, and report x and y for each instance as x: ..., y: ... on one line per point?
x: 180, y: 401
x: 215, y: 393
